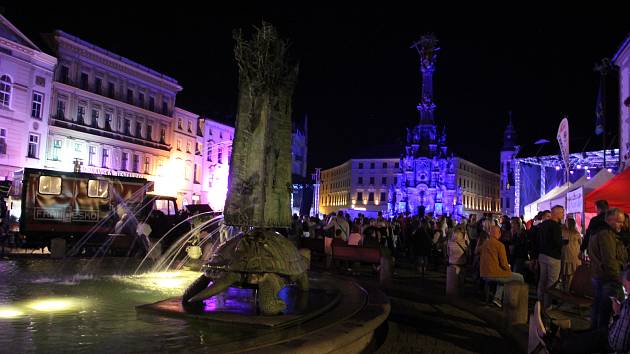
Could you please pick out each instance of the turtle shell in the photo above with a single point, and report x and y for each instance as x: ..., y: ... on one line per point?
x: 259, y: 251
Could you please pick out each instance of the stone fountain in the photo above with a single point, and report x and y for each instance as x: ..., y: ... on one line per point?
x: 259, y: 259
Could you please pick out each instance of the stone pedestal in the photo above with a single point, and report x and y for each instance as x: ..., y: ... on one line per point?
x: 515, y: 298
x: 452, y: 281
x: 57, y: 248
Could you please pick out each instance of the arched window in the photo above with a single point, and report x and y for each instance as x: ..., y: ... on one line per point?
x: 5, y: 90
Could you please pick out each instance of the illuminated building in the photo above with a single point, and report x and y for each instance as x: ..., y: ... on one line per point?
x: 25, y: 86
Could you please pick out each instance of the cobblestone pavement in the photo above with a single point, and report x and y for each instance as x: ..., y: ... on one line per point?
x: 439, y: 328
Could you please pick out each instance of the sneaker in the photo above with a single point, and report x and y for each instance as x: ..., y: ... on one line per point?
x: 497, y: 302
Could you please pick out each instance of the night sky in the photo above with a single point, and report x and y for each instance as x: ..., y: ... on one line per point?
x: 359, y: 81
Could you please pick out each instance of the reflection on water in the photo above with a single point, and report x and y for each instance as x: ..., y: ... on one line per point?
x: 45, y: 308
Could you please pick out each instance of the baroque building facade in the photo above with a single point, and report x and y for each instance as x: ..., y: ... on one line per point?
x: 115, y: 116
x: 26, y: 74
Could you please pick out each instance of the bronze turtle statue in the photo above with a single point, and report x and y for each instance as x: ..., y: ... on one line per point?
x: 261, y: 258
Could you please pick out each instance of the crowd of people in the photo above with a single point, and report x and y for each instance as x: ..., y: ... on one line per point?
x: 545, y: 251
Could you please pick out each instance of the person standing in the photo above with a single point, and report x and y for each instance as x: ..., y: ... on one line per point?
x: 550, y: 253
x: 608, y: 257
x: 571, y: 240
x: 597, y: 223
x: 519, y: 251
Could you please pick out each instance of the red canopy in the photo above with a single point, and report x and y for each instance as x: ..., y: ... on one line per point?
x: 616, y: 191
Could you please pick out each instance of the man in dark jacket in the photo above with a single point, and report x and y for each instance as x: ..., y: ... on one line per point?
x: 597, y: 223
x: 549, y: 255
x: 608, y: 257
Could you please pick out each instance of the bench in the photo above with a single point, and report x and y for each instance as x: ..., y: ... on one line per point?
x: 371, y: 255
x: 580, y: 292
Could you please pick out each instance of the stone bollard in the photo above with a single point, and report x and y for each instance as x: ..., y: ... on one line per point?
x: 452, y: 281
x: 515, y: 297
x: 386, y: 272
x: 57, y: 248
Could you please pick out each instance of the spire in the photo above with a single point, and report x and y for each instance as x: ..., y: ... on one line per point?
x: 509, y: 135
x: 427, y: 49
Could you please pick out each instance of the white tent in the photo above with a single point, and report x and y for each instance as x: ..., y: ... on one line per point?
x: 544, y: 203
x: 575, y: 197
x: 532, y: 208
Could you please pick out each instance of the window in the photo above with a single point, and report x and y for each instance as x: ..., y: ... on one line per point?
x: 359, y: 196
x: 141, y: 99
x: 190, y: 127
x: 33, y: 145
x: 127, y: 127
x: 135, y: 163
x: 84, y: 81
x: 360, y: 165
x: 5, y: 91
x: 371, y: 181
x: 149, y: 132
x: 77, y: 147
x: 383, y: 197
x: 56, y: 151
x: 98, y: 85
x: 162, y: 134
x: 104, y: 157
x: 36, y: 106
x: 383, y: 180
x: 91, y: 154
x: 396, y: 180
x: 139, y: 129
x: 180, y: 124
x: 188, y: 147
x: 210, y: 132
x: 80, y: 114
x: 372, y: 165
x: 64, y: 74
x: 123, y: 161
x: 396, y: 165
x: 210, y: 143
x: 179, y: 144
x: 97, y: 188
x: 384, y: 164
x: 371, y: 197
x: 111, y: 90
x: 195, y: 179
x: 151, y: 103
x: 95, y: 114
x: 147, y: 163
x: 61, y: 109
x: 360, y: 180
x: 49, y: 185
x: 3, y: 141
x: 109, y: 121
x: 129, y: 96
x: 165, y: 108
x: 220, y: 155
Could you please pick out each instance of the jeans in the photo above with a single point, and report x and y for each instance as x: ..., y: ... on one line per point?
x: 515, y: 277
x: 549, y: 274
x: 601, y: 311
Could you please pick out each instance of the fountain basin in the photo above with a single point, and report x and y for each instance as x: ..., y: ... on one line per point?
x: 335, y: 315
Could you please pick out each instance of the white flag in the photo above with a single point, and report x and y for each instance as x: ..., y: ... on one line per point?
x: 563, y: 140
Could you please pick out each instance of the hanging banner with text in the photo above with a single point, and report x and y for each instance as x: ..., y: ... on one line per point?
x: 563, y: 140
